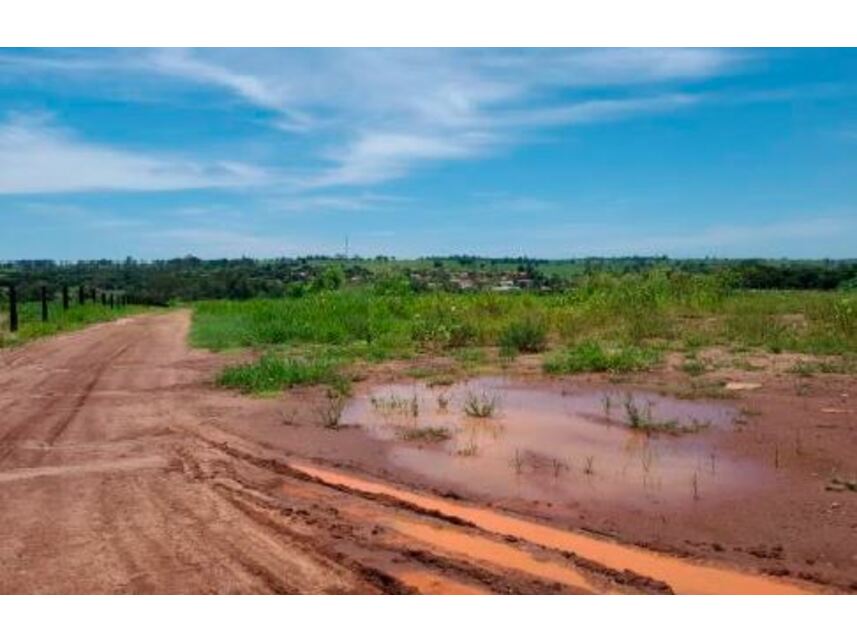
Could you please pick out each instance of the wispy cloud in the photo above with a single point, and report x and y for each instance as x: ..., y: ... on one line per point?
x: 37, y: 156
x: 361, y: 202
x: 369, y: 116
x: 394, y: 110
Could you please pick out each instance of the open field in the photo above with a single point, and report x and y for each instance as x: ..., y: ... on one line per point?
x: 614, y: 324
x: 641, y: 435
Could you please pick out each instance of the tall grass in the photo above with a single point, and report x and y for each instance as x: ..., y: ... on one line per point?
x: 271, y: 373
x: 610, y: 322
x: 592, y: 357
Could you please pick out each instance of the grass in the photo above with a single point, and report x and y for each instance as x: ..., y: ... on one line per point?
x: 59, y: 321
x: 606, y: 323
x: 394, y: 403
x: 593, y: 357
x: 695, y: 367
x: 641, y: 419
x: 481, y: 405
x: 426, y: 434
x: 272, y: 373
x: 528, y: 335
x: 330, y: 412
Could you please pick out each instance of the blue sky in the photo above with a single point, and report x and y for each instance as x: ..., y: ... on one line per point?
x: 550, y: 153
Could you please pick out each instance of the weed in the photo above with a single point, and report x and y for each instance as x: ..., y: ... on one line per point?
x: 394, y: 403
x: 527, y: 335
x: 518, y: 462
x: 469, y: 450
x: 607, y: 404
x: 440, y: 380
x: 589, y: 465
x: 481, y: 405
x: 426, y: 434
x: 803, y: 369
x: 330, y: 412
x: 273, y: 373
x: 288, y: 417
x: 641, y: 419
x: 694, y: 367
x: 593, y: 357
x: 442, y: 402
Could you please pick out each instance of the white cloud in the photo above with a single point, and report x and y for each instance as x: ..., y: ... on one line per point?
x: 335, y: 203
x: 374, y: 115
x: 392, y: 110
x: 36, y: 156
x: 379, y: 156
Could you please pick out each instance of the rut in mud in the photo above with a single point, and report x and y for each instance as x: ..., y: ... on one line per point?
x: 123, y: 470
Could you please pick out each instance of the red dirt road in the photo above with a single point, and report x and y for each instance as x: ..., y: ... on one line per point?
x: 122, y: 470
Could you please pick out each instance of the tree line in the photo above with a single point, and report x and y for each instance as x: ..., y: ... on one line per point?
x: 190, y: 278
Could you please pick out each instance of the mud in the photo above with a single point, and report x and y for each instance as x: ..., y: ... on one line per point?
x: 124, y: 470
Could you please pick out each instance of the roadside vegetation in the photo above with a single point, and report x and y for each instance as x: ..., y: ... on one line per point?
x: 606, y: 323
x: 59, y: 320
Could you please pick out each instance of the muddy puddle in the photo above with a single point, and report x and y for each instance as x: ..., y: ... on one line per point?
x: 553, y: 444
x: 683, y: 576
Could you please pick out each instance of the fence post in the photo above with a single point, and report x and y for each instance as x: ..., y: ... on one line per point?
x: 94, y: 296
x: 81, y: 296
x: 65, y: 297
x: 44, y: 303
x: 104, y: 299
x: 13, y: 309
x: 111, y: 300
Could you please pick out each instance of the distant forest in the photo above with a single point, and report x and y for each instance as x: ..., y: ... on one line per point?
x: 191, y: 278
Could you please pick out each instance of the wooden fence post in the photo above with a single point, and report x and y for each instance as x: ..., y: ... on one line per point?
x: 13, y: 309
x: 81, y: 295
x: 65, y: 297
x: 104, y: 299
x: 44, y: 303
x: 111, y: 300
x: 94, y: 296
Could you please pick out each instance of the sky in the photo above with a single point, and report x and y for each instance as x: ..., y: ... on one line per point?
x: 550, y: 153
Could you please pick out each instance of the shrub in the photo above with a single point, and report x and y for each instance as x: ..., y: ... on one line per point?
x: 592, y: 357
x: 528, y: 335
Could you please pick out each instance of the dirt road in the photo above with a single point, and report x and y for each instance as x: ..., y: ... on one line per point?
x: 122, y: 470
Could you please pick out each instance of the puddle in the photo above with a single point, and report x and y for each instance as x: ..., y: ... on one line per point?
x: 428, y: 583
x: 491, y: 552
x: 682, y: 575
x: 548, y: 445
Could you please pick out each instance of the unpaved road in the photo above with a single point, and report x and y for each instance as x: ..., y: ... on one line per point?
x: 122, y: 470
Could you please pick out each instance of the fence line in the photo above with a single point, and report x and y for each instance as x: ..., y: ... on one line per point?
x: 111, y: 298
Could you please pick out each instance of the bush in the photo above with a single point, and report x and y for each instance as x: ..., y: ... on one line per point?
x: 525, y: 336
x: 592, y: 357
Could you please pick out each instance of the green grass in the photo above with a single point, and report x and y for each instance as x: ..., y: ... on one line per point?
x: 528, y: 335
x: 271, y: 373
x: 611, y: 323
x: 592, y: 357
x: 31, y: 327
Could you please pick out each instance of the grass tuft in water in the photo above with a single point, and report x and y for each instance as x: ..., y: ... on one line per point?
x: 481, y: 405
